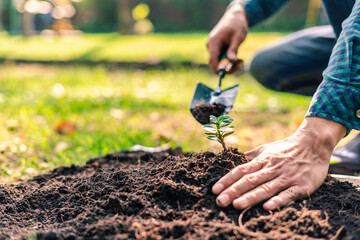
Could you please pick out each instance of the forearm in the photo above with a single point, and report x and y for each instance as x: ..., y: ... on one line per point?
x: 320, y: 134
x: 259, y: 10
x: 337, y: 98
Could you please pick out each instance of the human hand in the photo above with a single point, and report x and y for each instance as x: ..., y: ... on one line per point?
x: 229, y: 32
x: 282, y: 171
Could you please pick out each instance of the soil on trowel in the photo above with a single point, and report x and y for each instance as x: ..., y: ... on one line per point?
x: 202, y: 112
x: 167, y: 195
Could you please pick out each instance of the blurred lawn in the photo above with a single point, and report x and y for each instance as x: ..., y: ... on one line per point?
x: 116, y: 109
x: 115, y: 47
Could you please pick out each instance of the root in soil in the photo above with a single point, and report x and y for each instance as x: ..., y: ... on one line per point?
x: 202, y: 112
x: 167, y: 195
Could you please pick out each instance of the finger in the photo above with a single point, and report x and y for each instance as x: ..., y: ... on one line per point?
x: 259, y: 194
x: 244, y: 185
x: 250, y: 155
x: 234, y: 175
x: 214, y: 47
x: 233, y: 48
x: 291, y: 194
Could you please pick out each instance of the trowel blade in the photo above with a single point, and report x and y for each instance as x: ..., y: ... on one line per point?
x: 202, y: 95
x: 205, y: 95
x: 226, y: 97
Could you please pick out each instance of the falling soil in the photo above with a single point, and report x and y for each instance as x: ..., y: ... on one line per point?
x: 202, y: 112
x: 137, y: 195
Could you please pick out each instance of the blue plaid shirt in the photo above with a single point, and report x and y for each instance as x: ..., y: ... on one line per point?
x: 338, y: 96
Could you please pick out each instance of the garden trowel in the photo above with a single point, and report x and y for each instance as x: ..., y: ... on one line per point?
x: 205, y: 95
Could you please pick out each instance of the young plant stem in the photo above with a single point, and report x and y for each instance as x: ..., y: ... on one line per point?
x: 221, y: 138
x: 223, y: 144
x: 221, y: 129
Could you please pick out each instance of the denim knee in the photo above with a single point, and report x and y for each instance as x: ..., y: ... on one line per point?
x: 261, y: 69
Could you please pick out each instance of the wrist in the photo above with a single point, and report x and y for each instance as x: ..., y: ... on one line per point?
x: 235, y: 3
x: 321, y: 132
x: 236, y: 8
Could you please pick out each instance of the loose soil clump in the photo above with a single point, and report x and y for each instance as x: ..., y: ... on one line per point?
x: 202, y: 112
x: 167, y: 195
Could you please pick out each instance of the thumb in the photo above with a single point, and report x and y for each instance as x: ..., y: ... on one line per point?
x: 250, y: 155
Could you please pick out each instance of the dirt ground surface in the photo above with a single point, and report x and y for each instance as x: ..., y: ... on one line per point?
x: 137, y: 195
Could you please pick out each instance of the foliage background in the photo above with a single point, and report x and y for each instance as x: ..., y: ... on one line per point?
x: 97, y: 16
x: 184, y: 15
x: 49, y: 78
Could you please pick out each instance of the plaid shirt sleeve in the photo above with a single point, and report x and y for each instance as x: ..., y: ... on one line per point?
x: 258, y: 10
x: 338, y: 96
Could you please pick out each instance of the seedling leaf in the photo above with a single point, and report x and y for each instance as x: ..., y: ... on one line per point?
x: 227, y: 134
x: 214, y: 138
x: 218, y: 133
x: 210, y: 134
x: 209, y: 128
x: 229, y: 129
x: 213, y: 119
x: 226, y: 119
x: 224, y: 124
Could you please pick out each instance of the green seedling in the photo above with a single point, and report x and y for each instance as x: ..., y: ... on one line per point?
x: 220, y: 130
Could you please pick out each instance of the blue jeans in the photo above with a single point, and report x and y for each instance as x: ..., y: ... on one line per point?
x: 295, y: 63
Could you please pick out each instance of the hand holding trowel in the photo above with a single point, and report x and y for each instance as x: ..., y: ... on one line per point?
x: 207, y: 101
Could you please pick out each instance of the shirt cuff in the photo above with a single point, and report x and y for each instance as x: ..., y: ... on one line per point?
x: 259, y: 10
x: 338, y: 102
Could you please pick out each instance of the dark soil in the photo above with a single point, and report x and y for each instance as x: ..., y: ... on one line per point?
x: 136, y: 195
x: 202, y: 112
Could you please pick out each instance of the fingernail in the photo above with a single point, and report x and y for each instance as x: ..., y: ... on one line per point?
x: 270, y: 205
x: 223, y: 200
x: 241, y: 203
x: 218, y: 188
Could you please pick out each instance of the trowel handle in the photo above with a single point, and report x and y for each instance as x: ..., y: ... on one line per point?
x: 225, y: 65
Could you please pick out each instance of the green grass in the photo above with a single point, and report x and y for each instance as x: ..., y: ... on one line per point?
x: 114, y: 47
x: 115, y: 109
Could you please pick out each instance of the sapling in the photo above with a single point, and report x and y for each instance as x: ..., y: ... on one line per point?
x: 220, y: 130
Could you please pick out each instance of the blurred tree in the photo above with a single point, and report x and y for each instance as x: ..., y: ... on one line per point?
x: 14, y: 18
x: 27, y: 17
x: 6, y: 14
x: 27, y: 24
x: 125, y: 20
x: 1, y: 15
x: 96, y: 16
x: 174, y: 16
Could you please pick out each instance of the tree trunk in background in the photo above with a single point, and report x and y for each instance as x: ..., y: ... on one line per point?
x: 1, y: 15
x: 125, y: 21
x: 27, y: 24
x: 217, y: 8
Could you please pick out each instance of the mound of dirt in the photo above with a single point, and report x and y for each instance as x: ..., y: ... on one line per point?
x: 137, y: 195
